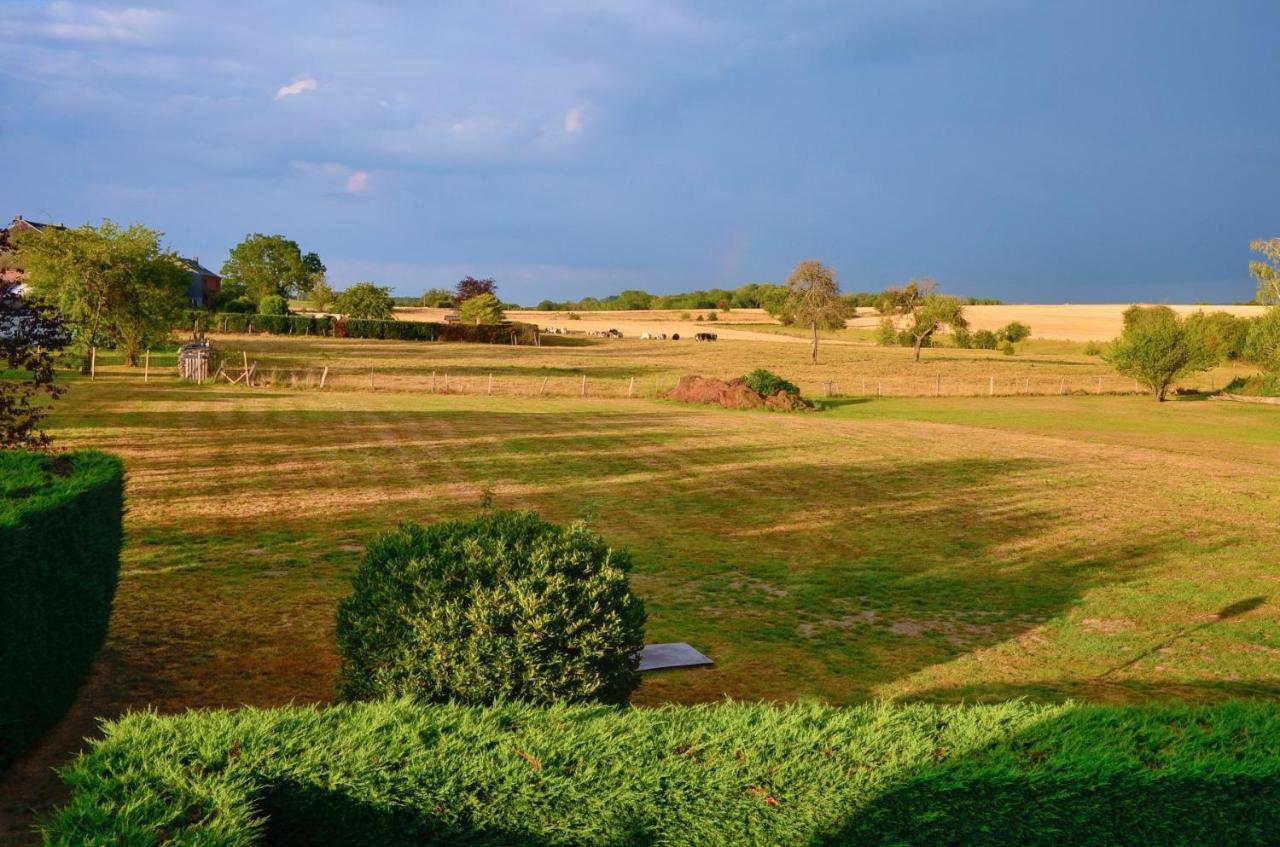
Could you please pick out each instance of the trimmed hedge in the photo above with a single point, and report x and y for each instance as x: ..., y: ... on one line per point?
x: 392, y: 773
x: 506, y: 606
x: 60, y: 535
x: 230, y: 322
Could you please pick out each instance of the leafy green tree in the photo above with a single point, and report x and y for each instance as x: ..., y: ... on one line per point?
x: 1157, y: 348
x: 322, y: 296
x: 482, y: 309
x: 469, y: 287
x: 113, y: 286
x: 775, y: 302
x: 263, y: 265
x: 985, y: 339
x: 1267, y: 271
x: 364, y: 300
x: 927, y: 310
x: 273, y: 304
x: 813, y: 300
x: 438, y: 298
x: 1015, y: 332
x: 1262, y: 346
x: 634, y: 300
x: 32, y: 336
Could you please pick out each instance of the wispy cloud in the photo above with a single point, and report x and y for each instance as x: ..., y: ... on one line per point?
x: 296, y: 87
x: 573, y: 121
x: 65, y: 21
x: 353, y: 180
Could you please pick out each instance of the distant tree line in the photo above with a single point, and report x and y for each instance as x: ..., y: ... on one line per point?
x: 755, y: 295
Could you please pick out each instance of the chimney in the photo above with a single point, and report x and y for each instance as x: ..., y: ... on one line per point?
x: 17, y: 217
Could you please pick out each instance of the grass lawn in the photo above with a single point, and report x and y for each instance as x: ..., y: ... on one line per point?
x: 1100, y: 548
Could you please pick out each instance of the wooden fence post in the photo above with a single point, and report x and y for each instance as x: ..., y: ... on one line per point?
x: 370, y: 379
x: 879, y: 388
x: 93, y: 363
x: 631, y: 387
x: 146, y: 367
x: 324, y: 375
x: 433, y: 382
x: 937, y: 390
x: 991, y: 386
x: 1062, y: 386
x: 446, y: 382
x: 543, y: 388
x: 244, y: 356
x: 1099, y: 385
x: 489, y: 390
x: 584, y: 386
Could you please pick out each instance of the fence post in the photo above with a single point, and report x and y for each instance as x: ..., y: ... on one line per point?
x: 489, y: 390
x: 146, y: 367
x: 324, y: 376
x: 1062, y: 386
x: 879, y: 388
x: 543, y: 388
x: 446, y: 382
x: 1099, y: 385
x: 93, y: 363
x: 433, y: 382
x: 584, y: 385
x: 991, y: 386
x: 370, y: 379
x: 631, y: 386
x: 937, y: 390
x: 244, y: 356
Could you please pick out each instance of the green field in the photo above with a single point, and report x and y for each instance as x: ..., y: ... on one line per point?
x: 1100, y: 548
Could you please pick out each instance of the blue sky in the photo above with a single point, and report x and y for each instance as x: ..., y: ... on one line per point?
x: 1038, y: 152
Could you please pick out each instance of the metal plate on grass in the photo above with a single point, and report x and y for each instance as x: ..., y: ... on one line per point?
x: 660, y: 657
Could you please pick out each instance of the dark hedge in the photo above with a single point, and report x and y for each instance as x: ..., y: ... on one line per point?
x: 60, y: 535
x: 393, y: 773
x: 229, y: 322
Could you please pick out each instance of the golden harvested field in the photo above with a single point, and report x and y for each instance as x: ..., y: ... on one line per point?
x: 1064, y: 322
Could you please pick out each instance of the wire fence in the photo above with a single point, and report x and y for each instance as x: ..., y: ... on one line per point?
x: 237, y: 368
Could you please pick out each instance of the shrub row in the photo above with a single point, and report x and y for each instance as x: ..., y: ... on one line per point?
x: 390, y: 773
x: 358, y: 328
x: 60, y: 535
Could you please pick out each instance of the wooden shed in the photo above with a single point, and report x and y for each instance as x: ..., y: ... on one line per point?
x: 193, y: 361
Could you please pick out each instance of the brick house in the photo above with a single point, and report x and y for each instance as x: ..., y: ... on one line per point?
x: 203, y: 285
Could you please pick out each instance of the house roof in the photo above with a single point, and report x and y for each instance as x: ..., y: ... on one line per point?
x: 19, y: 220
x: 194, y: 266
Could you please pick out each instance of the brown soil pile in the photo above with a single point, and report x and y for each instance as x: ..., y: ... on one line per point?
x: 734, y: 394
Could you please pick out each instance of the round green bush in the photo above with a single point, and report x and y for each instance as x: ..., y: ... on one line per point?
x: 768, y: 383
x: 273, y: 304
x: 503, y: 607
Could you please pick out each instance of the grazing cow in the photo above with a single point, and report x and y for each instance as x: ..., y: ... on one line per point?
x: 705, y: 336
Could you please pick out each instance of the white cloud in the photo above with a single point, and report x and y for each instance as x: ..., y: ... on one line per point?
x: 296, y: 87
x: 353, y: 181
x: 573, y: 121
x: 64, y: 21
x: 357, y: 182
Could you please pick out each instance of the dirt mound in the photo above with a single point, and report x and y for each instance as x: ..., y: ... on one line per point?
x: 734, y: 394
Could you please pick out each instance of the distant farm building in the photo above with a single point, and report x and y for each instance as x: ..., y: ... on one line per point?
x: 203, y: 285
x: 9, y: 271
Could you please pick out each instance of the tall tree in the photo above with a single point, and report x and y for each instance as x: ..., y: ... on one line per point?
x: 471, y: 287
x: 813, y: 300
x: 113, y: 286
x: 483, y: 309
x: 31, y: 334
x: 321, y: 296
x: 364, y: 300
x: 263, y: 265
x: 926, y: 309
x: 1267, y: 272
x: 1157, y: 348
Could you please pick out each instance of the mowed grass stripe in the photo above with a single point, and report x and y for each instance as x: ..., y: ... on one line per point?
x: 924, y: 548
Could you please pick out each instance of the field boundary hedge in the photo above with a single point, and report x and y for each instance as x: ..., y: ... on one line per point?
x: 389, y: 773
x: 60, y: 535
x: 327, y: 325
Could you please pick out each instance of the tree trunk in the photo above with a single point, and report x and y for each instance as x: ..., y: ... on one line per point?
x: 920, y: 340
x: 813, y: 351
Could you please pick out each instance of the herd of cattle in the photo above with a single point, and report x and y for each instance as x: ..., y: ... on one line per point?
x: 644, y: 336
